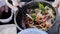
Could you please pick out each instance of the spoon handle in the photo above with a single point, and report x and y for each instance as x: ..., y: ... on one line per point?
x: 29, y: 16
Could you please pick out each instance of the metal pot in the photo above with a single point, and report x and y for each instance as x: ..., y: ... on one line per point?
x: 23, y: 14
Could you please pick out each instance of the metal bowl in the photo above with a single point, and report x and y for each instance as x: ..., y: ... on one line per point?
x: 23, y: 12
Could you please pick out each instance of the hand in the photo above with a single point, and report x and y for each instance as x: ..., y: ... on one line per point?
x: 13, y: 7
x: 56, y: 4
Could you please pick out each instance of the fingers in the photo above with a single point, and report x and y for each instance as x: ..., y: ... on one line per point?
x: 11, y: 6
x: 59, y: 10
x: 15, y: 2
x: 21, y: 4
x: 55, y: 4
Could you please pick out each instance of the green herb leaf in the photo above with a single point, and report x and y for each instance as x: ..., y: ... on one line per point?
x: 41, y: 6
x: 46, y: 7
